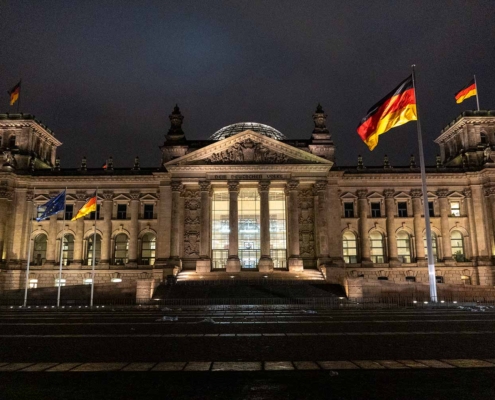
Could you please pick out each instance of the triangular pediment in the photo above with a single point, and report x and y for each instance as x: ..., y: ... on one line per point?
x: 402, y: 195
x: 375, y: 195
x: 122, y: 197
x: 248, y: 147
x: 456, y: 195
x: 148, y: 197
x: 348, y: 196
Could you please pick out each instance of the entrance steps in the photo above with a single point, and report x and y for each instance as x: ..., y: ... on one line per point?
x: 305, y: 275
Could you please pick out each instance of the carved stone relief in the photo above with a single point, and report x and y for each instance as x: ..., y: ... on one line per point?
x: 306, y: 223
x: 247, y: 151
x: 192, y: 213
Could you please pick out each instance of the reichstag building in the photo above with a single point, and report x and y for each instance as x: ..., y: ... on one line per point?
x: 247, y: 200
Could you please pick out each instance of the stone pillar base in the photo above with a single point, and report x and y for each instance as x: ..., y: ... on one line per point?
x: 323, y: 260
x: 265, y: 265
x: 144, y: 289
x: 366, y: 263
x: 233, y: 265
x: 394, y: 262
x: 203, y: 266
x: 295, y: 264
x: 485, y: 275
x: 132, y: 264
x: 174, y: 262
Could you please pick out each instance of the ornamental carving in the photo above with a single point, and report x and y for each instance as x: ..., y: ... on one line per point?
x: 320, y: 186
x: 247, y: 151
x: 176, y: 186
x: 9, y: 160
x: 134, y: 195
x: 468, y: 193
x: 306, y: 222
x: 416, y: 193
x: 442, y: 193
x: 81, y: 195
x: 361, y: 194
x: 30, y: 195
x: 233, y: 186
x: 292, y: 185
x: 205, y: 186
x: 191, y: 194
x: 306, y: 243
x: 191, y: 243
x: 263, y: 186
x: 107, y: 195
x: 6, y: 194
x: 389, y: 193
x: 192, y: 214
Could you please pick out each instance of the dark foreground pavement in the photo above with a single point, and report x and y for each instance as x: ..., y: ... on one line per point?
x: 250, y: 353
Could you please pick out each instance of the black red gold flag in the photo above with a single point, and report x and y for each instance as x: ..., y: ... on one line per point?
x: 14, y: 93
x: 467, y: 91
x: 395, y: 109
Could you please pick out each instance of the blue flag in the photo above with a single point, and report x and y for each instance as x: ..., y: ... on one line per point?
x: 52, y: 206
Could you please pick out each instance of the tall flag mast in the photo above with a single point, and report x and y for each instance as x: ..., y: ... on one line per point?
x: 395, y: 109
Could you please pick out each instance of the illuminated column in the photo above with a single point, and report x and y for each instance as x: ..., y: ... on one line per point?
x: 486, y: 273
x: 334, y: 217
x: 106, y: 240
x: 266, y: 263
x: 390, y: 212
x: 471, y: 221
x: 233, y: 263
x: 320, y: 189
x: 204, y: 264
x: 5, y: 204
x: 417, y: 195
x: 480, y: 231
x: 164, y: 225
x: 363, y: 224
x: 175, y: 235
x: 78, y: 240
x: 51, y: 242
x: 444, y: 223
x: 134, y: 228
x: 295, y: 260
x: 20, y: 226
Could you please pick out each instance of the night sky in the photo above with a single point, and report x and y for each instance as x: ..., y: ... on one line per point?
x: 105, y: 75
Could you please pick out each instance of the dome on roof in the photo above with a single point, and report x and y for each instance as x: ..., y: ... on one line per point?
x: 262, y: 129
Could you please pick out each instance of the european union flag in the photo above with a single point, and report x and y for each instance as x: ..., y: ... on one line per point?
x: 52, y: 206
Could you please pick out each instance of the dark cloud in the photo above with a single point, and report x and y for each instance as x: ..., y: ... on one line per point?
x: 104, y: 75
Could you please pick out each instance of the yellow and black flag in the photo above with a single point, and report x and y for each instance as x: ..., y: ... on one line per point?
x: 395, y: 109
x: 14, y: 93
x: 467, y: 91
x: 89, y: 207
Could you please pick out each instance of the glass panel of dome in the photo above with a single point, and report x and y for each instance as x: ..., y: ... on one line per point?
x: 249, y: 227
x: 233, y: 129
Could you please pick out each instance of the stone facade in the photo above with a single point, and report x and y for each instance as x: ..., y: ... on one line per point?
x: 350, y: 222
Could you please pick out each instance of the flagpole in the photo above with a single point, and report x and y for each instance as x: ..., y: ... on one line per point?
x: 19, y: 99
x: 30, y: 231
x: 477, y: 98
x: 61, y: 253
x: 431, y: 260
x: 94, y: 252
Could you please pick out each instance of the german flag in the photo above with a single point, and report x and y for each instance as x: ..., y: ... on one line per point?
x: 14, y: 93
x: 395, y: 109
x: 468, y: 91
x: 90, y: 206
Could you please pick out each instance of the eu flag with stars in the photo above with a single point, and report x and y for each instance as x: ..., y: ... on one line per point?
x: 52, y: 206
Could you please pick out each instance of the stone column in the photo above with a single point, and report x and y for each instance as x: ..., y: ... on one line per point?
x: 320, y: 190
x: 51, y: 243
x: 444, y: 224
x: 134, y: 229
x: 175, y: 232
x: 266, y: 263
x: 417, y: 195
x: 481, y: 231
x: 363, y: 225
x: 204, y: 263
x: 295, y: 260
x: 471, y: 221
x: 334, y: 214
x: 233, y: 263
x: 106, y: 240
x: 5, y: 204
x: 78, y: 240
x: 486, y: 273
x: 164, y: 227
x: 20, y: 232
x: 392, y: 240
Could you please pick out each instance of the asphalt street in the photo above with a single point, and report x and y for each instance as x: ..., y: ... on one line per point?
x: 247, y: 353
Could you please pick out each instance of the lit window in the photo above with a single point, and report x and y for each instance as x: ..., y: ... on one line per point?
x: 33, y: 283
x: 403, y: 247
x: 116, y: 280
x: 220, y: 229
x: 249, y: 227
x: 349, y: 248
x: 148, y: 247
x: 466, y: 280
x: 455, y: 208
x: 97, y: 250
x: 457, y: 245
x: 402, y: 209
x: 121, y: 249
x: 62, y: 282
x: 433, y: 245
x: 349, y: 210
x: 39, y: 253
x: 377, y: 252
x: 87, y: 281
x: 375, y: 210
x: 278, y: 229
x: 68, y: 249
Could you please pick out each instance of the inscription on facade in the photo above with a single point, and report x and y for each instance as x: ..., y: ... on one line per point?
x: 248, y: 177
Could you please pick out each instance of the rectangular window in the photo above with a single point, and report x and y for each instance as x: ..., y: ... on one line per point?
x: 375, y: 210
x: 348, y: 210
x: 220, y: 229
x: 33, y: 283
x: 121, y: 211
x: 148, y: 211
x: 455, y: 208
x: 431, y: 209
x: 87, y: 281
x: 69, y: 211
x: 402, y: 209
x: 62, y: 282
x: 91, y: 215
x: 249, y: 227
x: 278, y: 229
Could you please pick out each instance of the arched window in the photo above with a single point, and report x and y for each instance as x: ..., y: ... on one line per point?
x: 349, y: 247
x: 121, y: 249
x: 434, y: 245
x: 68, y: 249
x: 404, y: 247
x: 148, y: 246
x: 457, y: 244
x: 377, y: 253
x: 483, y: 138
x: 97, y: 248
x: 11, y: 141
x: 39, y: 253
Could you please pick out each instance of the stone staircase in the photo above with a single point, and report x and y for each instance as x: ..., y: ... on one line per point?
x: 306, y: 275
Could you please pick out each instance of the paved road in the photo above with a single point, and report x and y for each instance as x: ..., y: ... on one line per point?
x: 301, y: 352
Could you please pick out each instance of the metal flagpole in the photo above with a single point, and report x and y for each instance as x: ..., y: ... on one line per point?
x: 431, y: 260
x: 30, y: 216
x: 94, y: 252
x: 61, y: 253
x: 477, y: 98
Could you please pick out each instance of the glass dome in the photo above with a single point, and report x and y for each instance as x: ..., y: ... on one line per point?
x: 244, y: 126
